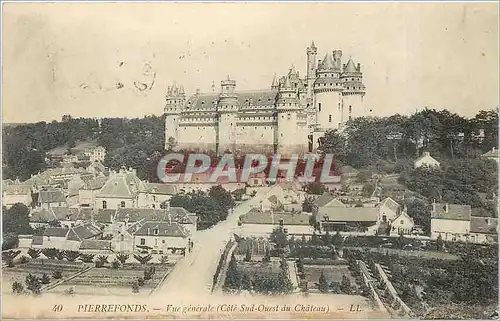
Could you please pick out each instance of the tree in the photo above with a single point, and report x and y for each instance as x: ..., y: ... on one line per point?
x: 135, y: 287
x: 323, y: 283
x: 143, y: 259
x: 17, y: 288
x: 337, y: 240
x: 315, y: 188
x: 246, y: 282
x: 149, y: 272
x: 34, y: 253
x: 50, y: 253
x: 439, y: 243
x: 45, y: 279
x: 9, y: 256
x: 233, y: 275
x: 100, y: 261
x: 122, y: 257
x: 222, y: 197
x: 71, y: 255
x: 57, y: 274
x: 307, y: 205
x: 267, y: 256
x: 16, y: 220
x: 171, y: 144
x: 278, y: 237
x: 10, y: 240
x: 248, y: 255
x: 33, y: 283
x: 115, y: 264
x: 164, y: 259
x: 334, y: 143
x: 87, y: 258
x: 345, y: 285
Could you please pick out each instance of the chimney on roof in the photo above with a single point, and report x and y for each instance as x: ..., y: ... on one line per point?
x: 488, y: 220
x: 427, y: 154
x: 167, y: 205
x: 169, y: 219
x: 149, y: 231
x: 446, y: 207
x: 434, y: 205
x: 493, y: 149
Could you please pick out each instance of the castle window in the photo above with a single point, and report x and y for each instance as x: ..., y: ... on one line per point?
x: 331, y: 84
x: 202, y: 102
x: 350, y: 108
x: 255, y: 128
x: 281, y: 134
x: 122, y: 204
x: 319, y: 106
x: 350, y: 117
x: 104, y: 204
x: 330, y: 118
x: 289, y: 116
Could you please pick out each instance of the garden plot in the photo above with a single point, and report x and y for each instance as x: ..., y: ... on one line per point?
x: 114, y: 279
x: 332, y: 273
x: 38, y: 267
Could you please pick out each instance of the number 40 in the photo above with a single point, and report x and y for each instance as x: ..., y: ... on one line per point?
x: 57, y: 308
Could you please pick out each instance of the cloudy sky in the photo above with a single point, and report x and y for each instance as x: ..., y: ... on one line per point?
x: 117, y: 59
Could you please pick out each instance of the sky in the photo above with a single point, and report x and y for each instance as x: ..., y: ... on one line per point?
x: 117, y: 59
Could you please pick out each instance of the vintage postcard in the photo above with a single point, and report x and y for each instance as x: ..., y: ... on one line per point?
x: 258, y: 160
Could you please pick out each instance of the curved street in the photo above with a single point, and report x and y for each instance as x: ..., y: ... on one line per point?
x: 193, y: 275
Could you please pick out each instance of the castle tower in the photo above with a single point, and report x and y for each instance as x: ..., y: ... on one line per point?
x: 328, y: 93
x: 227, y: 111
x: 354, y: 91
x: 274, y: 84
x: 287, y: 135
x: 311, y: 68
x: 175, y: 100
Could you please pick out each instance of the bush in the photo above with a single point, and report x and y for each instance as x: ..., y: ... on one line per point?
x: 122, y: 258
x: 87, y: 258
x: 140, y: 281
x: 100, y: 261
x: 71, y: 256
x: 9, y: 256
x: 57, y: 274
x: 164, y: 259
x: 33, y: 283
x: 34, y: 253
x: 149, y: 272
x: 69, y: 291
x: 17, y: 288
x: 143, y: 259
x: 60, y: 255
x: 45, y: 279
x: 23, y: 259
x: 135, y: 287
x: 115, y: 264
x: 50, y: 253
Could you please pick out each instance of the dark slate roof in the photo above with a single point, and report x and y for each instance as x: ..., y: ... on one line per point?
x: 177, y: 214
x: 104, y: 215
x: 328, y: 199
x: 82, y: 232
x: 483, y: 225
x: 51, y: 196
x: 95, y: 183
x: 258, y: 98
x: 163, y: 229
x: 455, y: 212
x: 391, y: 204
x: 56, y: 231
x: 95, y: 245
x: 257, y: 217
x: 348, y: 214
x: 64, y: 213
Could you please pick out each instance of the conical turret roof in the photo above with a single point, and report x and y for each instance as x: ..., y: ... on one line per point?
x: 287, y: 84
x: 274, y: 84
x: 327, y: 63
x: 350, y: 67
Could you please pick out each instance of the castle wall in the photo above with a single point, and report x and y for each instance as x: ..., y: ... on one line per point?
x: 329, y: 109
x: 354, y: 107
x: 197, y: 137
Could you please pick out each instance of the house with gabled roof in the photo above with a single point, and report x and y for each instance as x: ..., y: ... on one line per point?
x: 87, y: 193
x: 257, y: 222
x: 155, y: 194
x: 484, y: 230
x: 161, y: 236
x: 389, y: 209
x: 51, y: 198
x: 348, y: 219
x: 402, y: 225
x: 121, y: 190
x: 426, y: 160
x: 16, y: 193
x: 450, y: 221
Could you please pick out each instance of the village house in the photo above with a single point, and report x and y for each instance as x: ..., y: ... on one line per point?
x: 389, y: 209
x: 326, y: 200
x: 97, y: 168
x: 450, y: 221
x: 160, y: 236
x: 121, y: 190
x: 202, y: 182
x: 426, y: 160
x: 96, y: 154
x: 402, y: 224
x: 491, y: 155
x: 256, y: 222
x: 64, y: 238
x: 95, y: 247
x: 348, y: 219
x: 87, y: 193
x: 51, y: 198
x: 16, y: 193
x: 257, y: 180
x: 483, y: 230
x: 156, y: 194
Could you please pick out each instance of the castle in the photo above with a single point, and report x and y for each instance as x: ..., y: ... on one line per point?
x: 289, y: 117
